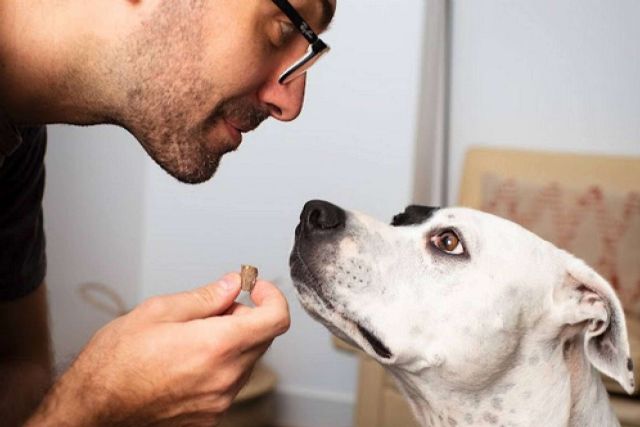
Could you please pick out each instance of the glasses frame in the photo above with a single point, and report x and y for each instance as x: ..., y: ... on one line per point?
x: 317, y: 48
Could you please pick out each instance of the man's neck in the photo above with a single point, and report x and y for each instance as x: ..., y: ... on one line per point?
x: 47, y: 48
x: 537, y: 392
x: 31, y: 58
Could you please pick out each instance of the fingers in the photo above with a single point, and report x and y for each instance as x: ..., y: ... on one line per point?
x: 237, y: 309
x: 272, y: 309
x: 265, y: 294
x: 210, y: 300
x: 253, y: 326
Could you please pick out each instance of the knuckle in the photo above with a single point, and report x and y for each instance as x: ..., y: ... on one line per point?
x: 221, y: 351
x: 282, y: 324
x: 227, y: 382
x: 223, y: 403
x: 218, y: 353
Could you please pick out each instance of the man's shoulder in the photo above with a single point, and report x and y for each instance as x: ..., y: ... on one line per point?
x: 14, y: 137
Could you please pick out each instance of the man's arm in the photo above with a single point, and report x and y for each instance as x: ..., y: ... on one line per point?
x: 25, y: 356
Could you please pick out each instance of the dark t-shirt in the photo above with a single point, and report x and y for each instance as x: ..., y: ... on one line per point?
x: 22, y: 243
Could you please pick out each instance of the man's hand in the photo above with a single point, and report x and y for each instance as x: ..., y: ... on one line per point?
x: 174, y: 360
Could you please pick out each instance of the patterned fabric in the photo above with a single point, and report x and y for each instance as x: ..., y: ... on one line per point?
x: 600, y: 226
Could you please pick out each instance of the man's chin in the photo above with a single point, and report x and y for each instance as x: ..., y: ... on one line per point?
x: 189, y: 157
x: 193, y: 174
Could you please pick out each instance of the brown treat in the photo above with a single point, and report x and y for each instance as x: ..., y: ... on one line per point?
x: 248, y: 276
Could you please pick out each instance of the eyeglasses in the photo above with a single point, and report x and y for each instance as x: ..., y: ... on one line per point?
x: 317, y: 48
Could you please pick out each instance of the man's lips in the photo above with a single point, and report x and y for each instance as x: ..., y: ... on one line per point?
x: 236, y: 133
x: 236, y: 130
x: 240, y: 127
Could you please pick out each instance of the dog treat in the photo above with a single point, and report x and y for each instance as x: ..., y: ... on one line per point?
x: 248, y: 276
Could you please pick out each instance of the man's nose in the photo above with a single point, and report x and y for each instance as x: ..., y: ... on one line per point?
x: 284, y: 101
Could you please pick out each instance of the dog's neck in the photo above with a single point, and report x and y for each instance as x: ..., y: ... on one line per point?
x: 559, y: 390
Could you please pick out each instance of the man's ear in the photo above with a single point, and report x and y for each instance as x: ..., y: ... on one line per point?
x: 592, y: 301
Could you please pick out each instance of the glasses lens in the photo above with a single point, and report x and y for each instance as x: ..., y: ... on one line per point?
x: 303, y: 64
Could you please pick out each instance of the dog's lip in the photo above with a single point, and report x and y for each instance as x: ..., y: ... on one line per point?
x: 375, y: 343
x: 367, y: 335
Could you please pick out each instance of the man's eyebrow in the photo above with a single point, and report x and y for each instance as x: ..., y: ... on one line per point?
x: 327, y: 14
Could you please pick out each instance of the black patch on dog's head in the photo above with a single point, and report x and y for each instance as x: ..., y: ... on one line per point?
x: 412, y: 215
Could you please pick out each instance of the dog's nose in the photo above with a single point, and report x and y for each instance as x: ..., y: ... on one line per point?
x: 319, y: 217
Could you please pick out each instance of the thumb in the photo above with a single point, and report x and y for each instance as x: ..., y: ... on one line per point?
x: 210, y: 300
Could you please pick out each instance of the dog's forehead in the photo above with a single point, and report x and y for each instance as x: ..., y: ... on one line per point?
x: 476, y: 228
x: 458, y: 215
x: 420, y: 217
x: 416, y: 215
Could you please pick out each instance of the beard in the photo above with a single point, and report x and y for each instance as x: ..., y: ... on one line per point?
x: 171, y: 103
x: 187, y: 146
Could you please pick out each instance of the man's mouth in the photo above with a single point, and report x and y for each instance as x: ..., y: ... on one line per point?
x: 236, y: 135
x: 236, y: 130
x: 240, y: 127
x: 236, y: 116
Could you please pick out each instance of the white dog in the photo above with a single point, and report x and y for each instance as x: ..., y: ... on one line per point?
x: 480, y: 321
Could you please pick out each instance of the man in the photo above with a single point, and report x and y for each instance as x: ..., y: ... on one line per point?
x: 186, y: 78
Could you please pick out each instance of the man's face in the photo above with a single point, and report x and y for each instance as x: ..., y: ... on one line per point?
x: 199, y: 73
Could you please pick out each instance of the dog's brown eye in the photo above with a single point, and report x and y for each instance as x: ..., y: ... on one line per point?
x: 448, y: 241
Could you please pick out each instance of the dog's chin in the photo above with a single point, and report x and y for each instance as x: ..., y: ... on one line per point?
x: 323, y: 310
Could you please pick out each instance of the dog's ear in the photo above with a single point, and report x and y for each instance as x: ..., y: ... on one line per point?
x: 591, y: 301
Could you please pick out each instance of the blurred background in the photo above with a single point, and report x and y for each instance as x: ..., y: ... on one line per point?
x: 390, y: 113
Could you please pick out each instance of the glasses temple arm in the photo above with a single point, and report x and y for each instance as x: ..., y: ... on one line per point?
x: 297, y: 20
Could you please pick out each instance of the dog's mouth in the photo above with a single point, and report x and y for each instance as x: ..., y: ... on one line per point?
x: 307, y: 283
x: 349, y: 329
x: 377, y: 345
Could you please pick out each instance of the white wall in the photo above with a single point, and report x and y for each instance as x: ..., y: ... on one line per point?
x: 545, y: 74
x: 93, y: 207
x: 113, y: 216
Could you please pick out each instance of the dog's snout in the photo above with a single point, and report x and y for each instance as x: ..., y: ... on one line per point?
x: 320, y: 217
